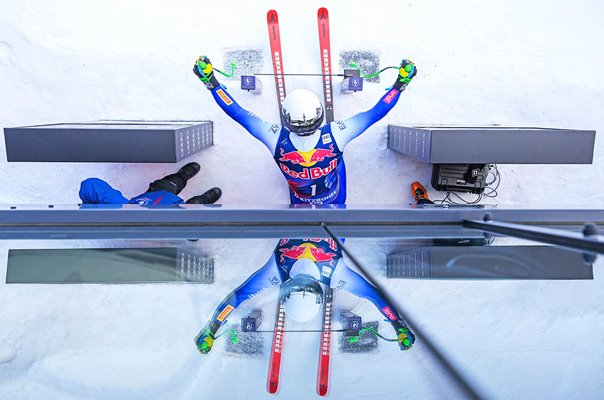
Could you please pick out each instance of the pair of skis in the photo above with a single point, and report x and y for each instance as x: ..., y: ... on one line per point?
x: 279, y: 334
x: 272, y: 20
x: 274, y: 369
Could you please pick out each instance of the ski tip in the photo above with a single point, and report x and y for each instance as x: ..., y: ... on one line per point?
x: 271, y: 16
x: 322, y: 13
x: 322, y: 390
x: 272, y: 387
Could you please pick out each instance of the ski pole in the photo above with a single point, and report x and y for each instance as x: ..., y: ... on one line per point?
x: 356, y: 338
x: 369, y: 76
x: 267, y: 74
x: 233, y: 65
x: 233, y: 333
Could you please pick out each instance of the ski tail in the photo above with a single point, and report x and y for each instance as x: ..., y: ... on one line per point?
x: 325, y: 48
x: 325, y: 350
x: 274, y: 368
x: 272, y: 20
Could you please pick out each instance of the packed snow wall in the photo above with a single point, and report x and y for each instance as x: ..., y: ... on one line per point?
x: 513, y: 63
x: 479, y: 63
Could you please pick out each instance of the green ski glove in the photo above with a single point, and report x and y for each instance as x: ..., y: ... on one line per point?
x: 406, y: 73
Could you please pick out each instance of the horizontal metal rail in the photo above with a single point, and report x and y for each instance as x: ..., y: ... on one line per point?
x: 588, y: 240
x: 132, y: 221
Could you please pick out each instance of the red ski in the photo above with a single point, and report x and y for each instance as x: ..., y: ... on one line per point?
x: 325, y: 47
x: 325, y: 53
x: 272, y: 20
x: 323, y: 370
x: 274, y: 367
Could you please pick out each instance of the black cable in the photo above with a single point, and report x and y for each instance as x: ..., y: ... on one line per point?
x: 492, y: 193
x: 489, y: 191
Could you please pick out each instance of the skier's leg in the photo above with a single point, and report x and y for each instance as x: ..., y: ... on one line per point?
x: 97, y: 191
x: 175, y: 183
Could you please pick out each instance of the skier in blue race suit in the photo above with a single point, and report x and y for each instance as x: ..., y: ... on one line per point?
x: 309, y: 155
x: 299, y: 267
x: 161, y: 192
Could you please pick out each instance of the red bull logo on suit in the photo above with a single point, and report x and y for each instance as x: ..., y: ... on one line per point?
x: 307, y: 158
x: 310, y: 173
x: 307, y: 250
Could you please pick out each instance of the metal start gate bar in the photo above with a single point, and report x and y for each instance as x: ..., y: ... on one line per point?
x: 572, y: 228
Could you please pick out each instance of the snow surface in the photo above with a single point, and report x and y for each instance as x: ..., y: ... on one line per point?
x: 514, y: 63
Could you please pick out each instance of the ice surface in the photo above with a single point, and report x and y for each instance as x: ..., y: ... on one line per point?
x: 518, y: 63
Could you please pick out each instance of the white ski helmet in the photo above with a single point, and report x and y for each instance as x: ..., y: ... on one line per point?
x: 302, y: 112
x: 302, y: 298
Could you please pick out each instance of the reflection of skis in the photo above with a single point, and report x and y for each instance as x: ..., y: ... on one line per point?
x: 325, y: 54
x: 274, y: 367
x: 325, y: 349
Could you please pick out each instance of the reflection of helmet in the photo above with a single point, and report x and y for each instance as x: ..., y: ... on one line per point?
x: 302, y: 112
x: 302, y: 298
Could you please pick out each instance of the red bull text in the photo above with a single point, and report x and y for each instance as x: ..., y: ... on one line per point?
x: 310, y: 173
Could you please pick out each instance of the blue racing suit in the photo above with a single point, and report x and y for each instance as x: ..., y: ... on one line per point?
x: 330, y: 270
x: 315, y: 174
x: 97, y: 191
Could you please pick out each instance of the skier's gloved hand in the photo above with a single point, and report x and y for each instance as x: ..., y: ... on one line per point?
x: 205, y: 72
x: 405, y: 337
x: 204, y: 341
x: 406, y: 72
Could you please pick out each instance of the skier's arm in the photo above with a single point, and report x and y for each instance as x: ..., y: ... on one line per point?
x: 265, y: 277
x: 345, y: 131
x: 347, y: 279
x: 266, y: 132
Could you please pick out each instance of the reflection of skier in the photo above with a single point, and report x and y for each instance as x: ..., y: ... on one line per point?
x: 299, y: 267
x: 163, y: 191
x: 309, y: 156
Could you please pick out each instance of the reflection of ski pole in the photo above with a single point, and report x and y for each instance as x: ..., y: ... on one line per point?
x: 302, y: 330
x: 356, y: 338
x: 233, y: 66
x: 352, y: 65
x: 267, y: 74
x: 232, y: 331
x: 369, y: 76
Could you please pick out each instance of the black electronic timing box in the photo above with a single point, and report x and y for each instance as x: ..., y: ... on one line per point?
x: 460, y: 177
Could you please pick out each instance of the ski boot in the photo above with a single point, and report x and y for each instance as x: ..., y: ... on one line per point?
x: 420, y: 194
x: 406, y: 72
x: 209, y: 197
x: 205, y: 72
